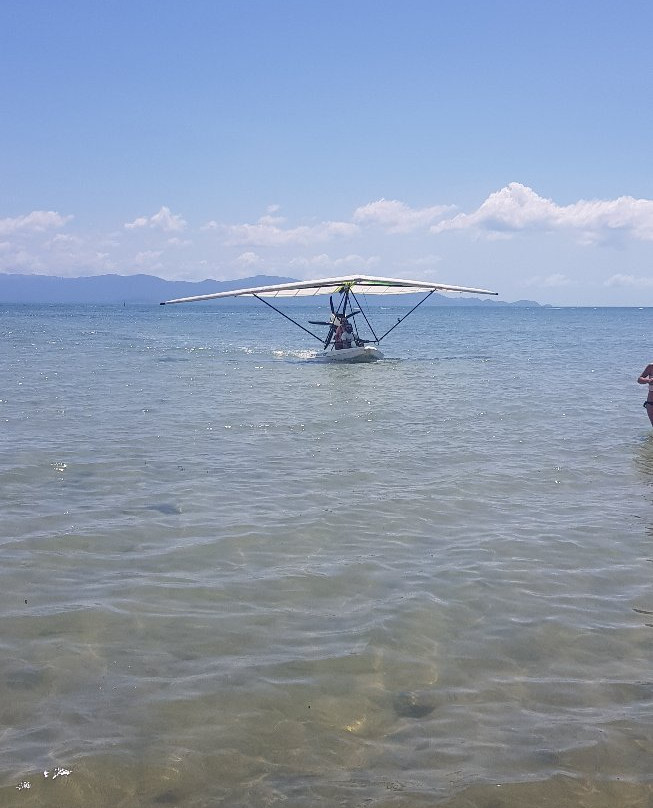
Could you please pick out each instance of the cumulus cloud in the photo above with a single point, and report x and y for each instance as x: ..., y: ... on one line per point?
x: 324, y: 261
x: 270, y: 231
x: 147, y: 258
x: 630, y: 281
x: 164, y: 220
x: 518, y: 208
x: 397, y: 217
x: 21, y: 260
x: 249, y: 259
x: 63, y: 241
x: 35, y: 222
x: 62, y: 254
x: 553, y: 281
x: 424, y: 261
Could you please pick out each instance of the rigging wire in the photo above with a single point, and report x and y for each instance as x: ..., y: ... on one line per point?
x: 369, y: 324
x: 401, y: 319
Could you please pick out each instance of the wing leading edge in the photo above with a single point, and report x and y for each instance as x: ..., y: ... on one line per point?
x: 366, y: 284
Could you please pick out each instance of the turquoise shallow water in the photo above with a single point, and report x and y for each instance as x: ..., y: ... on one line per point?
x: 232, y: 574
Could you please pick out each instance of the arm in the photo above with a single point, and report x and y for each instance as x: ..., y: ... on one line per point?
x: 647, y: 375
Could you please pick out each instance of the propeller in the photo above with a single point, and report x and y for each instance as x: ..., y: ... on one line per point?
x: 336, y: 318
x: 335, y: 322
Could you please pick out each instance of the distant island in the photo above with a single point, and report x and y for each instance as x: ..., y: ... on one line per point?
x: 150, y: 290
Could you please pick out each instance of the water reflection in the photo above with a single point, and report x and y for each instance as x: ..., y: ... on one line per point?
x: 644, y: 465
x: 644, y: 459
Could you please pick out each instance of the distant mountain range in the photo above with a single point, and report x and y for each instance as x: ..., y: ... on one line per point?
x: 148, y: 289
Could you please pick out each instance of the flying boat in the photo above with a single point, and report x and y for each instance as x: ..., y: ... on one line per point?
x: 343, y: 340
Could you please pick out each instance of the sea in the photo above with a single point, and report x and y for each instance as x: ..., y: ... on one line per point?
x: 233, y: 574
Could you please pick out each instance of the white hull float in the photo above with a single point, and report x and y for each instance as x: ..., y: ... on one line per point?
x: 343, y: 341
x: 362, y: 353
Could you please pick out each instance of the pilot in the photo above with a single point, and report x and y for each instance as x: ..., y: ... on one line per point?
x: 347, y: 336
x: 344, y: 334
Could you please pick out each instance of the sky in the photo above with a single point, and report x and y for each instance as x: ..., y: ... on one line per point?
x: 500, y: 144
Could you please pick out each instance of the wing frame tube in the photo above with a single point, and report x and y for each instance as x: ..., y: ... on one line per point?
x: 368, y: 284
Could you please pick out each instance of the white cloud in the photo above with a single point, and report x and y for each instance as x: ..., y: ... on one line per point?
x: 553, y: 281
x: 269, y: 232
x: 518, y: 208
x: 147, y: 258
x: 163, y: 220
x: 397, y: 217
x: 36, y: 221
x: 631, y: 281
x: 63, y: 241
x: 425, y: 260
x: 63, y: 254
x: 324, y: 261
x: 21, y: 260
x: 249, y: 259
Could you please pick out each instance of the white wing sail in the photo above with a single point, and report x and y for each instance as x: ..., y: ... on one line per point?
x: 365, y: 284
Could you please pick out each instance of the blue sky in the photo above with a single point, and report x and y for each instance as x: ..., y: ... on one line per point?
x: 507, y: 145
